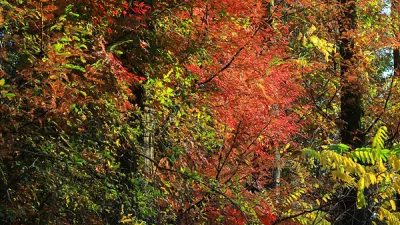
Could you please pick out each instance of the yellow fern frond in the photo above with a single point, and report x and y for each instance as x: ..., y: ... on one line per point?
x: 379, y: 139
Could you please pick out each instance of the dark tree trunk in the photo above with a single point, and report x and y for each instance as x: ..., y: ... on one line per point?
x: 396, y: 68
x: 351, y: 110
x: 396, y: 60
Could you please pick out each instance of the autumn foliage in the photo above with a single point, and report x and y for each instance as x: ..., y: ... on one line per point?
x: 199, y: 112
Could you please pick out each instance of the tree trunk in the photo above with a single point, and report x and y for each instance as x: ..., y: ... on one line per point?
x: 351, y: 109
x: 148, y: 120
x: 277, y: 171
x: 396, y: 57
x: 148, y: 140
x: 396, y: 60
x: 396, y: 70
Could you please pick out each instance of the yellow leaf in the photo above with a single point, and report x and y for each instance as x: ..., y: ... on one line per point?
x: 393, y: 204
x: 380, y: 215
x: 126, y: 219
x: 361, y: 184
x: 396, y: 164
x: 360, y: 170
x: 300, y: 36
x: 381, y: 166
x: 117, y: 143
x: 304, y: 42
x: 360, y: 199
x: 311, y: 30
x: 314, y: 40
x: 372, y: 178
x: 286, y: 147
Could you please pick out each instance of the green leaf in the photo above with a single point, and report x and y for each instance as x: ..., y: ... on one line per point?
x: 74, y: 14
x: 338, y: 148
x: 83, y: 46
x: 74, y: 67
x: 57, y: 26
x: 361, y: 199
x: 169, y: 91
x: 58, y: 46
x: 112, y: 48
x: 66, y: 39
x: 83, y: 93
x: 10, y: 95
x: 2, y: 82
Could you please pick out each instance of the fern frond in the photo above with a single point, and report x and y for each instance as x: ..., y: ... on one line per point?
x: 339, y: 148
x: 364, y: 155
x: 387, y: 216
x: 379, y: 139
x: 343, y: 164
x: 294, y: 197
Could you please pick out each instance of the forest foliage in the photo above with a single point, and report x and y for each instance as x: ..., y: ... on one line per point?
x: 199, y: 112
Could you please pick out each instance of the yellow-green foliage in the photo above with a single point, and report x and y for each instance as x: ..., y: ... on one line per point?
x: 129, y: 218
x: 321, y: 44
x: 374, y: 168
x: 294, y: 196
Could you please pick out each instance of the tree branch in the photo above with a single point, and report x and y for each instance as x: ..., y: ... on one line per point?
x: 227, y: 65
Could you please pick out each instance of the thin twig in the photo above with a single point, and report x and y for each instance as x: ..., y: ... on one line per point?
x: 219, y: 169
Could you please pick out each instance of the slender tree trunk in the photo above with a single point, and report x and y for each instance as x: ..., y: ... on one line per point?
x: 148, y: 120
x: 395, y: 10
x: 396, y: 60
x: 277, y: 154
x: 277, y: 171
x: 396, y: 57
x: 148, y: 140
